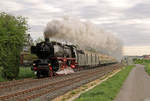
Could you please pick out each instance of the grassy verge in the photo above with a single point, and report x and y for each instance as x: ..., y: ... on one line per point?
x: 107, y: 90
x: 147, y: 68
x: 25, y: 72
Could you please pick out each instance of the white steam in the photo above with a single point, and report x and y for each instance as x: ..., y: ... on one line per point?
x: 85, y: 34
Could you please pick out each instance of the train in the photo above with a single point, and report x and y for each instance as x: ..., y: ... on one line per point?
x: 55, y: 57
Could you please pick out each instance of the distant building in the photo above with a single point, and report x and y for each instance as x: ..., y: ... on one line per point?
x: 127, y: 60
x: 146, y: 57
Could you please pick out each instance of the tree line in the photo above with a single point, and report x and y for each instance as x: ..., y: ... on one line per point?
x: 12, y: 32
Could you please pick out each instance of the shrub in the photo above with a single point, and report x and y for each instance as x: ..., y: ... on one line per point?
x: 12, y: 31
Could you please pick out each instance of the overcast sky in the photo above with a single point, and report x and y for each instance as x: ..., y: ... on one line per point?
x: 129, y: 19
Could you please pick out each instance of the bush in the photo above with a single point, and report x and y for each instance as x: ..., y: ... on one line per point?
x: 24, y: 72
x: 12, y: 31
x: 141, y: 61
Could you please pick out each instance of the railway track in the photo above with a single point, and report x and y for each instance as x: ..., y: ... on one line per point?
x: 25, y: 84
x: 53, y: 85
x: 11, y: 87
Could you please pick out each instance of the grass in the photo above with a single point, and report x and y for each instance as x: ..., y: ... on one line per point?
x: 146, y: 64
x: 147, y: 68
x: 25, y: 72
x: 107, y: 90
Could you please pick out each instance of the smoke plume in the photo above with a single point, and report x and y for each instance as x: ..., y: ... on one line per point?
x: 84, y: 34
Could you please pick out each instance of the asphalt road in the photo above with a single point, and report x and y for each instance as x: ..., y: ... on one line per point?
x: 136, y: 87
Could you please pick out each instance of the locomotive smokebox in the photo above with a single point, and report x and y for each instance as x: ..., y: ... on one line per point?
x: 47, y: 40
x: 43, y: 50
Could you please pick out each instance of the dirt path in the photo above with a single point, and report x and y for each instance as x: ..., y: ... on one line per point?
x: 136, y: 87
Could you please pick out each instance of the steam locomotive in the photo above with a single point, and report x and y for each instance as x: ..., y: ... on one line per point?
x: 55, y: 57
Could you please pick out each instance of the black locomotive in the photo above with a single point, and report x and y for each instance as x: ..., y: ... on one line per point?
x: 55, y: 56
x: 52, y: 56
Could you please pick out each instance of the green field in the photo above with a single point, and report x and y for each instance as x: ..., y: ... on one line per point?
x: 107, y: 90
x: 25, y: 72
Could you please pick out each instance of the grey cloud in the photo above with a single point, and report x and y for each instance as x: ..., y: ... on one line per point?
x: 91, y: 12
x: 139, y: 11
x: 37, y: 28
x: 130, y: 33
x: 36, y: 31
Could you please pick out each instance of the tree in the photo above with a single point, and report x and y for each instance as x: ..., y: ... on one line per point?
x: 12, y: 32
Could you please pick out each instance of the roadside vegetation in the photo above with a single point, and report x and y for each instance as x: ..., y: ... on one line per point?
x: 12, y: 40
x: 141, y: 61
x: 147, y: 68
x: 146, y: 63
x: 107, y: 90
x: 24, y: 72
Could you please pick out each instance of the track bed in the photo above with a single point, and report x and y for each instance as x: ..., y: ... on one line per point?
x: 49, y: 88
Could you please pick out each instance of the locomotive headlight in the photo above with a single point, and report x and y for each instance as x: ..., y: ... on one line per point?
x: 35, y: 72
x: 34, y: 64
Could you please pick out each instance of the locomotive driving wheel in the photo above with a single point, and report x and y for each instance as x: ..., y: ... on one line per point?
x: 55, y: 65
